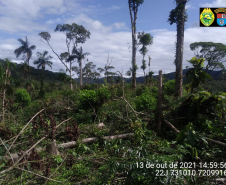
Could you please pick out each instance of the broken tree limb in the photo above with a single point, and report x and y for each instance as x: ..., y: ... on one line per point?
x: 216, y: 142
x: 17, y: 158
x: 20, y: 134
x: 208, y: 139
x: 171, y: 126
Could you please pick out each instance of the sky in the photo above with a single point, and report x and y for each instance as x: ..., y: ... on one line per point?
x: 110, y: 27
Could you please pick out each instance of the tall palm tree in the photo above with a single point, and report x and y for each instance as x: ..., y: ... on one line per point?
x: 24, y: 49
x: 78, y: 53
x: 41, y: 62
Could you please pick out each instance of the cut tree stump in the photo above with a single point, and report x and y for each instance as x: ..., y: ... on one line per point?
x: 52, y: 148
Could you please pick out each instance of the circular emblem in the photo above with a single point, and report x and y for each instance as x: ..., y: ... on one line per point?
x: 207, y: 17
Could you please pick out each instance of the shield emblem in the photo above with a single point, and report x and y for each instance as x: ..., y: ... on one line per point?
x: 221, y: 19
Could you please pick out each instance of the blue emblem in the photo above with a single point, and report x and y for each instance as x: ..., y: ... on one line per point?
x: 221, y: 19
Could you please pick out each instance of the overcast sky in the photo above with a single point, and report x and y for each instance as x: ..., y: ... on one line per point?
x: 109, y: 24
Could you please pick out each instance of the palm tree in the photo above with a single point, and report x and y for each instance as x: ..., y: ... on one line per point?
x: 41, y: 62
x: 78, y: 53
x: 24, y: 49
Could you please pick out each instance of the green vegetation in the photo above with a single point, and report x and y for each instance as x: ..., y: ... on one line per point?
x: 199, y: 116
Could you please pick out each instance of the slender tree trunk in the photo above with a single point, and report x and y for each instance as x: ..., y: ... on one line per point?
x: 41, y: 89
x: 144, y: 79
x: 179, y: 52
x: 7, y: 75
x: 29, y: 69
x: 3, y: 105
x: 133, y: 19
x: 159, y: 127
x: 80, y: 62
x: 71, y: 77
x: 134, y: 62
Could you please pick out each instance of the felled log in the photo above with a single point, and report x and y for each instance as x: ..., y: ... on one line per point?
x: 95, y: 139
x: 72, y: 144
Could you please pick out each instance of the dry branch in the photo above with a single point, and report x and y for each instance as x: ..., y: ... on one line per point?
x: 20, y: 134
x: 27, y: 153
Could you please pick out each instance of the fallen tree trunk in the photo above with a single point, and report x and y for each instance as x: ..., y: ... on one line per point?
x: 73, y: 143
x: 95, y: 139
x: 208, y: 139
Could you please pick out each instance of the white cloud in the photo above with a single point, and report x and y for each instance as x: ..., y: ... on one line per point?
x: 14, y: 25
x: 119, y: 25
x: 189, y: 6
x: 215, y: 3
x: 115, y: 7
x: 27, y: 9
x: 88, y: 23
x: 51, y: 21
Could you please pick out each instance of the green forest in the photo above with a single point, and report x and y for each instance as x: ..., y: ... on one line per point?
x: 101, y: 128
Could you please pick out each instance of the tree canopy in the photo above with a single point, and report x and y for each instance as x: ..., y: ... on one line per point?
x: 214, y: 54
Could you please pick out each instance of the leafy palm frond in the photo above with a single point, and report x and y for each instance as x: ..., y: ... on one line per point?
x: 24, y: 49
x: 42, y: 60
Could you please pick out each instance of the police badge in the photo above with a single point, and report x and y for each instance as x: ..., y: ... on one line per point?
x: 221, y: 19
x: 207, y: 17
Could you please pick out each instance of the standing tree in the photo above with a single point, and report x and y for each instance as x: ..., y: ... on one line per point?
x: 78, y: 54
x: 75, y: 34
x: 133, y: 7
x: 179, y: 16
x: 25, y: 49
x: 89, y: 72
x: 145, y: 39
x: 106, y: 69
x: 214, y: 54
x: 41, y: 62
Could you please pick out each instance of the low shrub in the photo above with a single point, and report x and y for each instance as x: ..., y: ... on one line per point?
x: 22, y: 97
x: 146, y: 101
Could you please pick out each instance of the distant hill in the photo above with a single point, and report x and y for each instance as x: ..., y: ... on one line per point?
x: 17, y: 73
x: 54, y: 76
x: 169, y: 76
